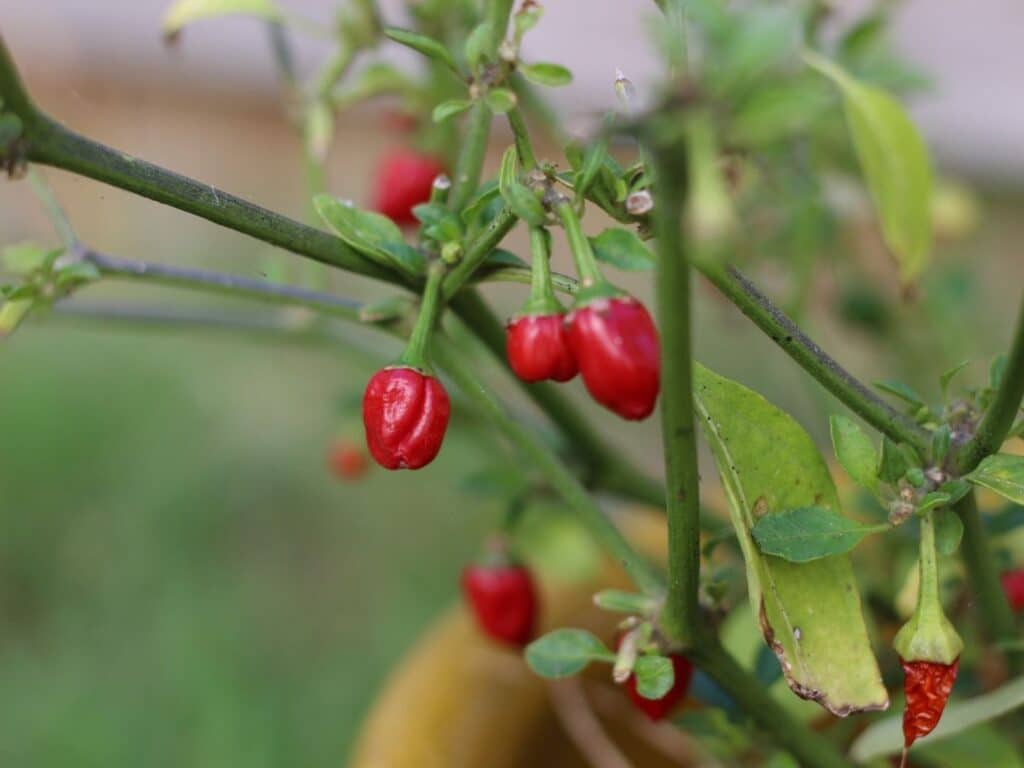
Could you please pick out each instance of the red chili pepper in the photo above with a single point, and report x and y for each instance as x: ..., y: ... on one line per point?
x: 1013, y: 587
x: 503, y: 600
x: 404, y: 179
x: 927, y: 685
x: 615, y: 344
x: 538, y: 348
x: 347, y: 460
x: 659, y: 709
x: 405, y: 413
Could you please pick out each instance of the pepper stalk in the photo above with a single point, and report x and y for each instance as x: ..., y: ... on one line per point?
x: 417, y: 351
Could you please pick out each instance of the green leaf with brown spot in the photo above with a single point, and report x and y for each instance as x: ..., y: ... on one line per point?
x: 810, y: 613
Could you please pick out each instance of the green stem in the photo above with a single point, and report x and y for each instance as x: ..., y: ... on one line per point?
x: 542, y: 299
x: 417, y: 351
x: 53, y: 209
x: 812, y: 358
x: 582, y: 254
x: 643, y: 574
x: 983, y: 574
x: 471, y: 158
x: 998, y: 419
x: 524, y: 147
x: 810, y: 748
x: 680, y: 620
x: 478, y: 251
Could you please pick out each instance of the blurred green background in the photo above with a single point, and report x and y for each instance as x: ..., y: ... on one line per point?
x: 182, y: 580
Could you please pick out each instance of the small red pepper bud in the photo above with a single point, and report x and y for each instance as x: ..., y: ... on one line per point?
x: 538, y: 348
x: 927, y: 685
x: 405, y: 413
x: 503, y: 600
x: 1013, y: 588
x: 347, y: 460
x: 404, y: 179
x: 615, y: 344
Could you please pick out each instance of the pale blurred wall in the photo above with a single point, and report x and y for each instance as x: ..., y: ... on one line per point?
x: 974, y: 117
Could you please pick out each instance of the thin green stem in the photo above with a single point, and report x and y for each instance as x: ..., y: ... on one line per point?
x: 680, y: 621
x: 999, y: 418
x: 53, y: 208
x: 994, y: 610
x: 643, y: 574
x: 582, y: 254
x: 542, y: 299
x: 812, y: 358
x: 417, y: 351
x: 810, y: 748
x: 471, y: 158
x: 478, y: 251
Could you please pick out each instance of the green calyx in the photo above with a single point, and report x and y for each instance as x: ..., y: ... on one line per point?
x: 417, y: 351
x: 929, y: 635
x: 542, y: 299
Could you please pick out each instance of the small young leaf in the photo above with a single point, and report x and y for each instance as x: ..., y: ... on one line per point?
x: 809, y: 533
x: 895, y: 163
x: 892, y: 464
x: 501, y: 100
x: 622, y: 248
x: 449, y: 108
x: 23, y: 258
x: 553, y: 75
x: 593, y: 158
x: 375, y: 236
x: 76, y: 274
x: 488, y: 193
x: 900, y: 390
x: 475, y: 48
x: 941, y: 439
x: 623, y: 602
x: 654, y: 676
x: 565, y: 652
x: 933, y: 500
x: 1002, y: 473
x: 428, y: 46
x: 947, y: 377
x: 525, y: 204
x: 949, y: 529
x: 186, y: 11
x: 525, y: 19
x: 854, y: 451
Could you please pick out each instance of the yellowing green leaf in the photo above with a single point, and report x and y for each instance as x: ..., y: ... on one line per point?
x: 1002, y: 473
x: 185, y: 12
x: 810, y: 613
x: 895, y: 163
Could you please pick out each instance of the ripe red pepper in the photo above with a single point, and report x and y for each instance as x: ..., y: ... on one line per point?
x: 659, y: 709
x: 538, y: 348
x: 503, y: 600
x: 405, y: 413
x: 927, y: 685
x: 347, y: 460
x: 615, y: 344
x: 404, y: 179
x: 1013, y: 587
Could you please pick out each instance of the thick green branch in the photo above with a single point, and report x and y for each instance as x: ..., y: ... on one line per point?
x: 812, y: 358
x: 998, y: 419
x: 680, y: 620
x: 643, y: 574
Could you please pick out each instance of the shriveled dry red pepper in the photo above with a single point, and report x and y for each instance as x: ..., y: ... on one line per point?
x: 929, y: 648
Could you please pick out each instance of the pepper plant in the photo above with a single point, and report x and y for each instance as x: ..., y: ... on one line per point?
x: 756, y: 98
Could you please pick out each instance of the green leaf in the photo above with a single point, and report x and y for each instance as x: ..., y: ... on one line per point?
x: 810, y: 613
x: 10, y: 130
x: 942, y: 437
x: 553, y: 75
x: 947, y: 377
x: 428, y: 46
x: 900, y: 390
x: 622, y: 248
x: 488, y: 193
x: 892, y: 463
x: 524, y: 204
x: 475, y: 47
x: 1002, y: 473
x: 76, y: 274
x: 956, y: 489
x: 933, y: 500
x: 623, y: 602
x: 895, y: 163
x: 776, y: 111
x: 593, y: 158
x: 23, y: 258
x: 809, y: 533
x: 855, y: 451
x: 186, y: 11
x: 885, y: 737
x: 449, y: 108
x: 501, y: 100
x: 654, y: 676
x: 375, y: 236
x: 949, y: 529
x: 565, y: 652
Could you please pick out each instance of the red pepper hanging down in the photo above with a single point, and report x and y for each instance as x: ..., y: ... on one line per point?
x: 537, y: 342
x: 1013, y: 588
x: 404, y: 179
x: 405, y: 407
x: 927, y: 686
x: 929, y: 648
x: 611, y: 335
x: 502, y: 597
